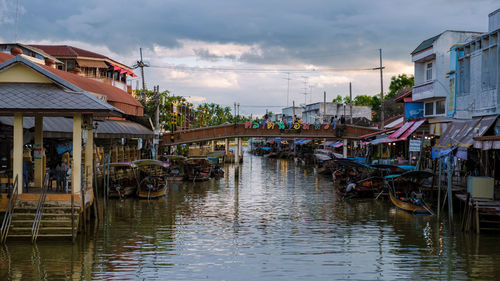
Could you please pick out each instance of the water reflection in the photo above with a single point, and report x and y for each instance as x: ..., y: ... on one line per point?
x: 265, y: 219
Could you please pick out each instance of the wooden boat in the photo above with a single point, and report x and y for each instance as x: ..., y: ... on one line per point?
x: 175, y: 171
x: 197, y: 169
x: 151, y: 178
x: 122, y: 180
x: 364, y: 188
x: 405, y: 194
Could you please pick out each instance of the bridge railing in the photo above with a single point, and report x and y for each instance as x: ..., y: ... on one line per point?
x: 265, y: 130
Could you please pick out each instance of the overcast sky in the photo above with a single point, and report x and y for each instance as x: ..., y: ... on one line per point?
x: 204, y: 49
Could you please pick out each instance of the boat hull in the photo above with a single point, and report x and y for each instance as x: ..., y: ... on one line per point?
x: 145, y: 194
x: 409, y: 207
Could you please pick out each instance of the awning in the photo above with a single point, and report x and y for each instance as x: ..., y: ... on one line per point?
x: 377, y: 133
x: 121, y: 70
x: 91, y: 63
x: 395, y: 124
x: 302, y: 141
x: 401, y: 130
x: 412, y: 129
x: 401, y: 134
x: 327, y: 143
x: 461, y: 133
x: 337, y: 144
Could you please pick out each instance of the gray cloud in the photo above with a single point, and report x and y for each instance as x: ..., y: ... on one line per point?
x: 319, y: 32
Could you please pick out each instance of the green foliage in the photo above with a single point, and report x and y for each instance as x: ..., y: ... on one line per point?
x: 338, y: 99
x: 206, y: 114
x: 363, y: 100
x: 398, y: 84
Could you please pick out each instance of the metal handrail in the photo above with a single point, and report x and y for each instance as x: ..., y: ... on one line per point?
x: 4, y: 231
x: 39, y: 210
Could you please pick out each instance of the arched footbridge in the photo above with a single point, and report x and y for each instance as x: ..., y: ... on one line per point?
x: 267, y: 130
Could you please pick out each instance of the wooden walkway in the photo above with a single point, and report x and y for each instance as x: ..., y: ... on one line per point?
x: 479, y: 213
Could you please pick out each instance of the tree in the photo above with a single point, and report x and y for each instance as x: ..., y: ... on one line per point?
x: 399, y: 83
x: 338, y: 99
x: 363, y: 100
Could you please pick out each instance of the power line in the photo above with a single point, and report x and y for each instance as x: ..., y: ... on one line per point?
x: 259, y: 70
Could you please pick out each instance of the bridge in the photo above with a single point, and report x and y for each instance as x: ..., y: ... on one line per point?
x: 268, y: 130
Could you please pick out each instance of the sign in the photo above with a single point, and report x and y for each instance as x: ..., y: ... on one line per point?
x: 37, y: 151
x: 414, y: 110
x: 415, y: 145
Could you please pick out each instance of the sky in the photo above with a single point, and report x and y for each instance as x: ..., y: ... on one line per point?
x: 259, y: 54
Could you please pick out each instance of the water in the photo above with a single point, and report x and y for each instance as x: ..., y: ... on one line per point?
x: 276, y: 221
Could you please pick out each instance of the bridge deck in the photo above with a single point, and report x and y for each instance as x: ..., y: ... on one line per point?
x: 244, y: 130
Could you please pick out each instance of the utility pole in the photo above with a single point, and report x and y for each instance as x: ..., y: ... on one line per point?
x: 305, y: 93
x: 324, y: 105
x: 157, y: 121
x: 141, y: 64
x: 288, y: 88
x: 350, y: 99
x: 381, y: 92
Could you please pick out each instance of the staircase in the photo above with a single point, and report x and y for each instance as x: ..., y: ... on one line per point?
x: 55, y: 221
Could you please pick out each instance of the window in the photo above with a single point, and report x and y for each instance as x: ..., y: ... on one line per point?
x: 485, y: 70
x: 429, y: 108
x: 440, y: 107
x: 428, y: 72
x: 493, y: 67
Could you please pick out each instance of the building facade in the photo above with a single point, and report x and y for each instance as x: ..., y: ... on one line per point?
x: 431, y: 61
x: 474, y: 73
x: 320, y: 111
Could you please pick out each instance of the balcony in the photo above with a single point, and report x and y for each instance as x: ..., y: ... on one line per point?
x: 423, y: 91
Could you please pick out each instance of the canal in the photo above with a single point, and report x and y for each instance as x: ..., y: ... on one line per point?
x: 266, y: 220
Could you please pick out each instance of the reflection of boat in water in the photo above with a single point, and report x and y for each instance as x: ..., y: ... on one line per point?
x: 151, y: 178
x: 405, y: 194
x: 122, y: 180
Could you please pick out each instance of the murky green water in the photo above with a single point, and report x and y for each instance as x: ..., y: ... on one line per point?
x: 275, y: 222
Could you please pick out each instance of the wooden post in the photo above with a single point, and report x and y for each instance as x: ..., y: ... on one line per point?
x: 17, y: 156
x: 439, y: 188
x: 39, y: 171
x: 76, y: 169
x: 477, y: 218
x: 450, y: 198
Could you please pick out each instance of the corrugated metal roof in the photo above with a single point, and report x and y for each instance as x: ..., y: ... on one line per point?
x: 105, y: 129
x: 426, y: 44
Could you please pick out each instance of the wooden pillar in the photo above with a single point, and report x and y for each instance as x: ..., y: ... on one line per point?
x: 344, y: 148
x: 39, y: 171
x: 240, y: 147
x: 89, y: 152
x: 76, y: 169
x: 17, y: 155
x: 213, y: 146
x: 227, y: 146
x: 236, y: 151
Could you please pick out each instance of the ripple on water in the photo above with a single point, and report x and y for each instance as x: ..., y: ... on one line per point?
x: 276, y: 221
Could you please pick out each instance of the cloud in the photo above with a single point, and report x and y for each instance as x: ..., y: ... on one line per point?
x: 260, y: 34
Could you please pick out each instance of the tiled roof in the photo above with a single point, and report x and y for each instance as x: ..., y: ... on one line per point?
x: 67, y: 51
x: 47, y: 97
x: 114, y: 95
x: 5, y: 57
